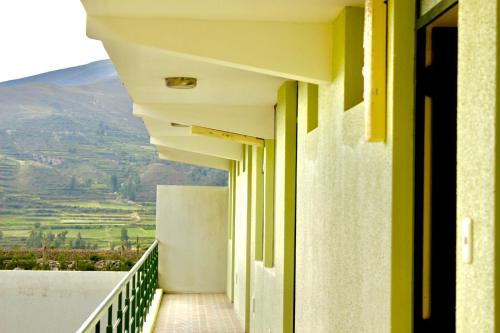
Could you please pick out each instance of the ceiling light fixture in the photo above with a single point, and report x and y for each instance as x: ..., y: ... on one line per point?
x: 179, y: 82
x: 178, y: 125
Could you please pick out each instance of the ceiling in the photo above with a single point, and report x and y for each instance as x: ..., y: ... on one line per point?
x: 239, y: 66
x: 248, y: 10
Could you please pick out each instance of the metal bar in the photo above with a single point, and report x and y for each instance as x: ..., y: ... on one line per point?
x: 119, y: 314
x: 134, y: 301
x: 127, y: 307
x: 92, y: 322
x: 109, y: 327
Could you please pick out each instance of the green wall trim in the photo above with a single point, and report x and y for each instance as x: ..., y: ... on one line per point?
x: 435, y: 12
x: 400, y: 106
x: 353, y: 76
x: 233, y: 217
x: 496, y: 235
x: 286, y: 119
x: 248, y: 162
x: 259, y: 203
x: 309, y: 92
x: 269, y: 154
x: 230, y: 201
x: 347, y: 62
x: 244, y: 164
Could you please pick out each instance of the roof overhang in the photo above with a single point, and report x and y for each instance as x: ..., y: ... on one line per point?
x: 239, y: 51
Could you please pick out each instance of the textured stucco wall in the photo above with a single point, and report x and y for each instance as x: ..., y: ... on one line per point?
x: 191, y: 229
x: 343, y: 230
x: 51, y: 302
x: 476, y: 165
x: 229, y: 267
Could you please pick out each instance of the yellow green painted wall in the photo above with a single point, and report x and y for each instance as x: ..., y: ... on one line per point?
x: 231, y: 220
x: 271, y: 288
x: 477, y: 165
x: 343, y: 213
x: 241, y: 238
x: 354, y: 232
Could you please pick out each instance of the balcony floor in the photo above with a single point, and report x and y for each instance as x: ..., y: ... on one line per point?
x: 197, y: 313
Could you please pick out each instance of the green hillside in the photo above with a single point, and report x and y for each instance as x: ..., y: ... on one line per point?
x: 73, y: 158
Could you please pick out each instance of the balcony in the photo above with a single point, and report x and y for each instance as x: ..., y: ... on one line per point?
x: 188, y: 261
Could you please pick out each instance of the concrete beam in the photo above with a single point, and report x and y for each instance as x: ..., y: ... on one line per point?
x: 262, y: 47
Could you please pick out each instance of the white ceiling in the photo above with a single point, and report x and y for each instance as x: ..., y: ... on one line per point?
x: 179, y: 155
x: 248, y: 10
x: 143, y: 71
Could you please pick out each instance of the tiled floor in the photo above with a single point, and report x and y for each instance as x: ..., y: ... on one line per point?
x: 197, y: 313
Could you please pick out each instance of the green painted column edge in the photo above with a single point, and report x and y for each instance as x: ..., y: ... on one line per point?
x: 259, y: 209
x: 248, y: 162
x: 400, y: 113
x: 287, y: 102
x: 269, y: 152
x: 233, y: 217
x: 353, y: 57
x: 497, y: 181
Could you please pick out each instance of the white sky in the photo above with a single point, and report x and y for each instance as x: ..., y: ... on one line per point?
x: 38, y: 36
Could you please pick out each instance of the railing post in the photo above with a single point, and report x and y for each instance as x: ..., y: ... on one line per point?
x: 119, y: 314
x: 127, y: 308
x: 109, y: 328
x: 139, y: 305
x: 134, y: 302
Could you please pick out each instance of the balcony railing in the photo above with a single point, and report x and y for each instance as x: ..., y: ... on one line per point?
x: 137, y: 288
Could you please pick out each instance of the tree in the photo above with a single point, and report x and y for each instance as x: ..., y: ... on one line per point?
x: 124, y: 234
x: 129, y: 189
x: 72, y: 184
x: 114, y: 183
x: 79, y: 243
x: 126, y: 243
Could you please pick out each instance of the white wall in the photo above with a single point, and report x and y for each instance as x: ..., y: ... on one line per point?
x: 51, y: 302
x: 191, y: 229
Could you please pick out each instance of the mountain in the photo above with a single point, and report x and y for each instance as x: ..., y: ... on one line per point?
x: 74, y: 76
x: 70, y: 134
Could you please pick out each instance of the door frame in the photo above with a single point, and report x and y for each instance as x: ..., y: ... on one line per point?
x: 420, y: 67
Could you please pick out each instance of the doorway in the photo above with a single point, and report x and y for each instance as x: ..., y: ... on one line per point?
x: 435, y: 175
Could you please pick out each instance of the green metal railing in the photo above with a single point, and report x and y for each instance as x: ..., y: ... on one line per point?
x: 130, y: 299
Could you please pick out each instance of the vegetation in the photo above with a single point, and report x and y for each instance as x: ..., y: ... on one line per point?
x: 68, y: 260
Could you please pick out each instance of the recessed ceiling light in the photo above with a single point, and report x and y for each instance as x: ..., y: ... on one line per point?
x: 179, y: 82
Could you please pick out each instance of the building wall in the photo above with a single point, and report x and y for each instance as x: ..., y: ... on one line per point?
x: 259, y: 290
x: 478, y: 174
x: 192, y: 233
x: 51, y: 302
x: 354, y: 236
x: 343, y: 213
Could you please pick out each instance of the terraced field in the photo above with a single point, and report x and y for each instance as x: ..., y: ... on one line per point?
x: 98, y: 222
